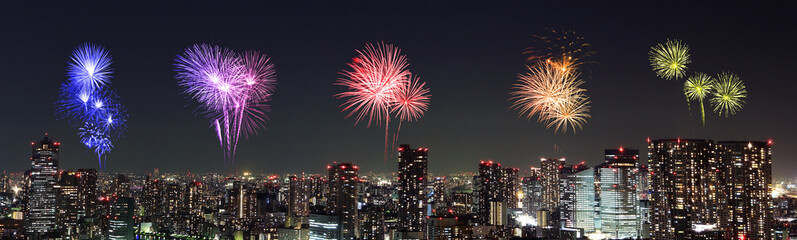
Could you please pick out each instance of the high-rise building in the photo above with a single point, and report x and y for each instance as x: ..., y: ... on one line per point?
x: 87, y: 188
x: 618, y: 197
x: 510, y: 188
x: 550, y: 182
x: 684, y: 188
x: 152, y: 195
x: 497, y: 189
x: 577, y: 199
x: 121, y: 186
x: 342, y: 200
x: 121, y: 218
x: 532, y: 191
x: 41, y: 215
x: 372, y: 222
x: 242, y: 201
x: 298, y: 205
x: 68, y: 202
x: 747, y: 178
x: 412, y: 179
x: 194, y: 198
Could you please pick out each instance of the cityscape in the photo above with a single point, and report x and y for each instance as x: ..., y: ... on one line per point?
x: 690, y: 189
x: 392, y: 120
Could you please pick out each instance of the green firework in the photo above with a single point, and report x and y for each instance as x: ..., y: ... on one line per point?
x: 698, y: 87
x: 729, y: 94
x: 669, y: 60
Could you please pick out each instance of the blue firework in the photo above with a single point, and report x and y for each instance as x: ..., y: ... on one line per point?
x: 86, y: 102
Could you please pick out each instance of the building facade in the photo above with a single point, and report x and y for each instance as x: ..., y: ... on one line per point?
x: 618, y: 197
x: 41, y: 214
x: 412, y: 181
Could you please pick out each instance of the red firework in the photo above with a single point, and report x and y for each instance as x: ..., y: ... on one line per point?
x: 412, y: 100
x: 379, y: 84
x: 376, y: 75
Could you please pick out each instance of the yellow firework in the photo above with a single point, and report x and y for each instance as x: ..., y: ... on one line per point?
x: 572, y: 113
x: 697, y: 88
x: 729, y: 94
x: 669, y: 60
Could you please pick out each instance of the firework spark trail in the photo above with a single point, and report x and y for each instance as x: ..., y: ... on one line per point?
x: 669, y: 60
x: 559, y: 45
x: 729, y: 94
x: 698, y: 87
x: 85, y: 102
x: 232, y: 90
x: 380, y: 84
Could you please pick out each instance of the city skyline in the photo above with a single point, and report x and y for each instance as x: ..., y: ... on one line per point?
x: 469, y: 55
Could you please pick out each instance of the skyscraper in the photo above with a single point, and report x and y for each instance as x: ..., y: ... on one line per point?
x: 532, y: 191
x: 121, y: 218
x: 412, y: 178
x: 68, y: 202
x: 617, y: 193
x: 497, y: 190
x: 550, y: 182
x: 747, y: 179
x: 41, y: 215
x: 87, y: 187
x: 342, y: 200
x: 298, y: 205
x: 684, y: 187
x: 121, y: 186
x: 577, y: 202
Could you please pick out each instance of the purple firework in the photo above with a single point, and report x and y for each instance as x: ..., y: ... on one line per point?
x: 232, y: 90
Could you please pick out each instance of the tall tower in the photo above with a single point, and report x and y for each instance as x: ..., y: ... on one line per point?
x: 489, y: 190
x: 412, y: 178
x: 747, y: 177
x: 40, y: 218
x: 550, y: 182
x: 87, y: 186
x: 298, y: 206
x: 617, y: 193
x: 342, y: 200
x: 532, y: 191
x: 684, y: 187
x: 67, y: 199
x: 577, y: 202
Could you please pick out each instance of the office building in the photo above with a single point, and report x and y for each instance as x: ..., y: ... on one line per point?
x: 412, y: 199
x: 40, y: 220
x: 617, y: 193
x: 342, y: 200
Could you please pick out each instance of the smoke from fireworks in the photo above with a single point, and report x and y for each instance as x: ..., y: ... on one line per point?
x: 86, y: 102
x: 379, y: 84
x: 669, y: 60
x: 232, y: 90
x: 698, y: 87
x: 729, y: 94
x: 553, y: 94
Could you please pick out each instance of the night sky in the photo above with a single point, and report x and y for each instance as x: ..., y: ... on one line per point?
x: 468, y: 53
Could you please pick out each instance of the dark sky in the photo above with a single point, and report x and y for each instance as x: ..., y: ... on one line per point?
x: 468, y: 53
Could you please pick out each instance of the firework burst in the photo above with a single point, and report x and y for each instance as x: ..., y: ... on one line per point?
x: 411, y: 100
x: 379, y: 84
x: 553, y: 94
x: 232, y: 90
x: 85, y: 101
x: 729, y: 94
x: 697, y: 88
x: 669, y: 60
